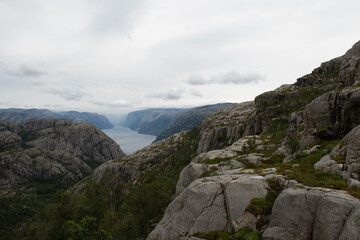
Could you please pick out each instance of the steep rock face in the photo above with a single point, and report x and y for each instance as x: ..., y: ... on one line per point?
x: 326, y: 73
x: 330, y: 116
x: 79, y: 139
x: 188, y: 119
x: 344, y: 159
x: 313, y: 213
x: 9, y: 137
x: 128, y: 167
x: 322, y: 105
x: 225, y: 127
x: 209, y: 204
x: 334, y: 113
x: 286, y: 100
x: 350, y: 66
x: 346, y: 67
x: 53, y: 150
x: 337, y: 109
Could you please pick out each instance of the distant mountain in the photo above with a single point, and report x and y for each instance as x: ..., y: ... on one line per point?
x: 21, y: 116
x: 100, y: 121
x: 188, y: 119
x: 151, y: 121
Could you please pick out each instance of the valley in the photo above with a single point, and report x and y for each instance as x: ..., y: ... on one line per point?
x: 284, y: 166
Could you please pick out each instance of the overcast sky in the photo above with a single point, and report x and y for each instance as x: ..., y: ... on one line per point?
x: 116, y: 56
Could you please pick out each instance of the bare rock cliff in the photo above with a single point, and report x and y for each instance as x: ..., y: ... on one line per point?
x: 54, y: 150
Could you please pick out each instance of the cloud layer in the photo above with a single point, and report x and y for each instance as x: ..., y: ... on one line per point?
x: 87, y: 54
x: 170, y: 95
x: 22, y: 71
x: 225, y: 78
x: 67, y: 94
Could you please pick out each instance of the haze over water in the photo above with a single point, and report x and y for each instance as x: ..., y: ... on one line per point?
x: 129, y: 140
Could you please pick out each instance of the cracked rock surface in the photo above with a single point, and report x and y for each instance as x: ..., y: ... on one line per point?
x: 210, y: 204
x: 313, y: 213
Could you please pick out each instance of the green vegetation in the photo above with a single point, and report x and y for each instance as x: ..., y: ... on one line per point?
x: 215, y: 235
x: 21, y: 202
x: 339, y: 159
x: 276, y: 129
x: 305, y: 172
x: 284, y: 105
x: 249, y: 146
x: 86, y: 230
x: 292, y: 143
x: 325, y: 128
x: 118, y: 208
x: 247, y: 234
x: 124, y: 210
x: 263, y: 206
x: 243, y: 234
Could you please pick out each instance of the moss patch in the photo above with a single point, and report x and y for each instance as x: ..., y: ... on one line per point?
x: 243, y: 234
x: 263, y: 206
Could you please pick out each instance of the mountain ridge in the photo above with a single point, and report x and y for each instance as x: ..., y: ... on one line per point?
x: 189, y: 118
x: 284, y: 166
x: 21, y: 116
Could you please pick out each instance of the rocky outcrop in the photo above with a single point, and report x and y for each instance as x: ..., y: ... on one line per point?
x: 313, y: 213
x: 189, y: 174
x: 52, y: 150
x: 224, y: 161
x: 336, y: 109
x: 9, y: 137
x: 344, y: 159
x: 330, y: 116
x: 79, y: 139
x: 335, y: 112
x: 209, y: 204
x: 194, y: 171
x: 350, y: 66
x: 325, y: 74
x: 127, y: 168
x: 321, y: 105
x: 225, y: 127
x: 346, y: 68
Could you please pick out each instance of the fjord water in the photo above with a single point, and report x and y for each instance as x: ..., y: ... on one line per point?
x: 129, y: 140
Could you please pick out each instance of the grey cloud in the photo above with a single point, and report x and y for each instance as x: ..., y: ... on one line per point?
x: 236, y: 78
x: 225, y: 78
x: 53, y: 106
x: 23, y: 71
x: 27, y: 71
x: 118, y: 104
x: 4, y: 104
x: 196, y: 93
x: 196, y: 80
x: 170, y: 95
x: 115, y: 16
x: 67, y: 94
